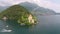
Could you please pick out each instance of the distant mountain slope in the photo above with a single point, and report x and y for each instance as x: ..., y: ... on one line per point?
x: 37, y: 9
x: 57, y: 13
x: 29, y: 6
x: 2, y: 8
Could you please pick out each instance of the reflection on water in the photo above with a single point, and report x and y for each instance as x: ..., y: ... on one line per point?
x: 46, y: 25
x: 7, y: 26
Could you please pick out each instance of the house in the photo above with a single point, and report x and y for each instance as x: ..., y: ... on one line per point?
x: 30, y: 19
x: 4, y: 18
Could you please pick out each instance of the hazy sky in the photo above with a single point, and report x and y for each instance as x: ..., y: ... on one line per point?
x: 51, y: 4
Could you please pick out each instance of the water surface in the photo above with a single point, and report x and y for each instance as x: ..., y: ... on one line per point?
x: 46, y: 25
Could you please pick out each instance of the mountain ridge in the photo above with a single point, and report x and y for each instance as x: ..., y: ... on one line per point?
x: 32, y: 8
x: 37, y: 9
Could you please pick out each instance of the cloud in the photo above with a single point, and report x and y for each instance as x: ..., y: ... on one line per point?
x: 48, y: 4
x: 43, y: 3
x: 9, y: 2
x: 12, y: 2
x: 5, y: 2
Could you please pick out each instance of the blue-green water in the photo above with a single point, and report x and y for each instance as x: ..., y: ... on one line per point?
x: 46, y: 25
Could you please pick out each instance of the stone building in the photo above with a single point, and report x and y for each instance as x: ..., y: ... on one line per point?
x: 30, y: 19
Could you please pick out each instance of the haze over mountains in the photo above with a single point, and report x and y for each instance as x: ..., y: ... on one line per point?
x: 2, y: 8
x: 37, y: 9
x: 34, y: 8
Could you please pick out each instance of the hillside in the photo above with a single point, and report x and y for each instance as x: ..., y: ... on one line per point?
x: 2, y: 8
x: 34, y: 8
x: 18, y: 13
x: 14, y: 10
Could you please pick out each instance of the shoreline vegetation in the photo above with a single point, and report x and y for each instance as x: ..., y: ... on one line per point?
x: 20, y: 14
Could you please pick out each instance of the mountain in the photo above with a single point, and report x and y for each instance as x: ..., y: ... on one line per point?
x: 29, y: 6
x: 18, y: 13
x: 14, y: 11
x: 44, y: 11
x: 34, y: 8
x: 3, y: 8
x: 57, y: 13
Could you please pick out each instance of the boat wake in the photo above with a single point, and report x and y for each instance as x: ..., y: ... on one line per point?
x: 5, y: 30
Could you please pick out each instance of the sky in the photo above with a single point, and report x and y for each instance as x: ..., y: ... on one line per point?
x: 51, y: 4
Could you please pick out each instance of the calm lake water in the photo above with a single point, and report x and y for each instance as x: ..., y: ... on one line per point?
x: 46, y: 25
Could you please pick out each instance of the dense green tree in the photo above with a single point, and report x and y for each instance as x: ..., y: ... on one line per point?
x: 16, y: 12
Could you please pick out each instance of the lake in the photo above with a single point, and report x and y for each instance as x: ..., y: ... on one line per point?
x: 46, y: 25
